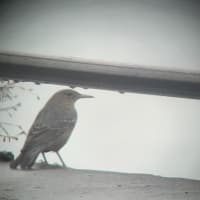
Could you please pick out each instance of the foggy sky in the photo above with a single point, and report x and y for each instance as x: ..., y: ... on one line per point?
x: 153, y: 32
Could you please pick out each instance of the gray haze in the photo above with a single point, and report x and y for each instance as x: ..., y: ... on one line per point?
x: 132, y: 132
x: 152, y: 32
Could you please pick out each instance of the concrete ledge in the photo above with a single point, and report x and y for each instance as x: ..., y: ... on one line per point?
x: 74, y: 184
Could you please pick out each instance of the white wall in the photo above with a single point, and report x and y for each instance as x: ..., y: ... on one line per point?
x: 128, y: 132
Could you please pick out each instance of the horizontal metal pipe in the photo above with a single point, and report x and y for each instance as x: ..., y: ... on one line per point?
x: 99, y: 75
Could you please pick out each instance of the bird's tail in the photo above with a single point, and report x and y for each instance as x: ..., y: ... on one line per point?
x: 25, y: 160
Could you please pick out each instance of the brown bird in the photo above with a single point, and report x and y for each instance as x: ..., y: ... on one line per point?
x: 51, y: 128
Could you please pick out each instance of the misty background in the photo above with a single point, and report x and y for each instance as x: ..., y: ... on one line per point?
x: 128, y: 132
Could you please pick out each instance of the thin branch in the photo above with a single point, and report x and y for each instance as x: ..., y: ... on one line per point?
x: 27, y: 90
x: 11, y: 124
x: 8, y: 137
x: 14, y: 107
x: 6, y: 85
x: 7, y: 88
x: 4, y: 129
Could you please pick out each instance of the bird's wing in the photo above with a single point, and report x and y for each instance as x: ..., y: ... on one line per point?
x: 46, y: 128
x: 35, y: 132
x: 39, y: 132
x: 39, y: 127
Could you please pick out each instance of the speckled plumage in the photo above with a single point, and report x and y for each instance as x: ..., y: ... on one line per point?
x: 51, y: 128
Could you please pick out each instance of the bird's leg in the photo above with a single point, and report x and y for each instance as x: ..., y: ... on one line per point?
x: 44, y: 157
x: 61, y: 159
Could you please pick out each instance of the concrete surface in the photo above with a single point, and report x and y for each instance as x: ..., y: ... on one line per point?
x: 72, y: 184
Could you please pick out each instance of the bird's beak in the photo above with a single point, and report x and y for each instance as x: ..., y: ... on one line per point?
x: 85, y: 96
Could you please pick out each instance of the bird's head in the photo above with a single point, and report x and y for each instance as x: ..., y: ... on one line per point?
x: 72, y: 95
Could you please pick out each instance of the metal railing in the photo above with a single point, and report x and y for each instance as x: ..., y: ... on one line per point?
x: 99, y: 75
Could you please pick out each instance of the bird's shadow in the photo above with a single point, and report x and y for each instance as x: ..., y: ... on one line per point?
x: 44, y: 165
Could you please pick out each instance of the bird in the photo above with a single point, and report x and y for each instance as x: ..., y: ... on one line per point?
x: 51, y: 128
